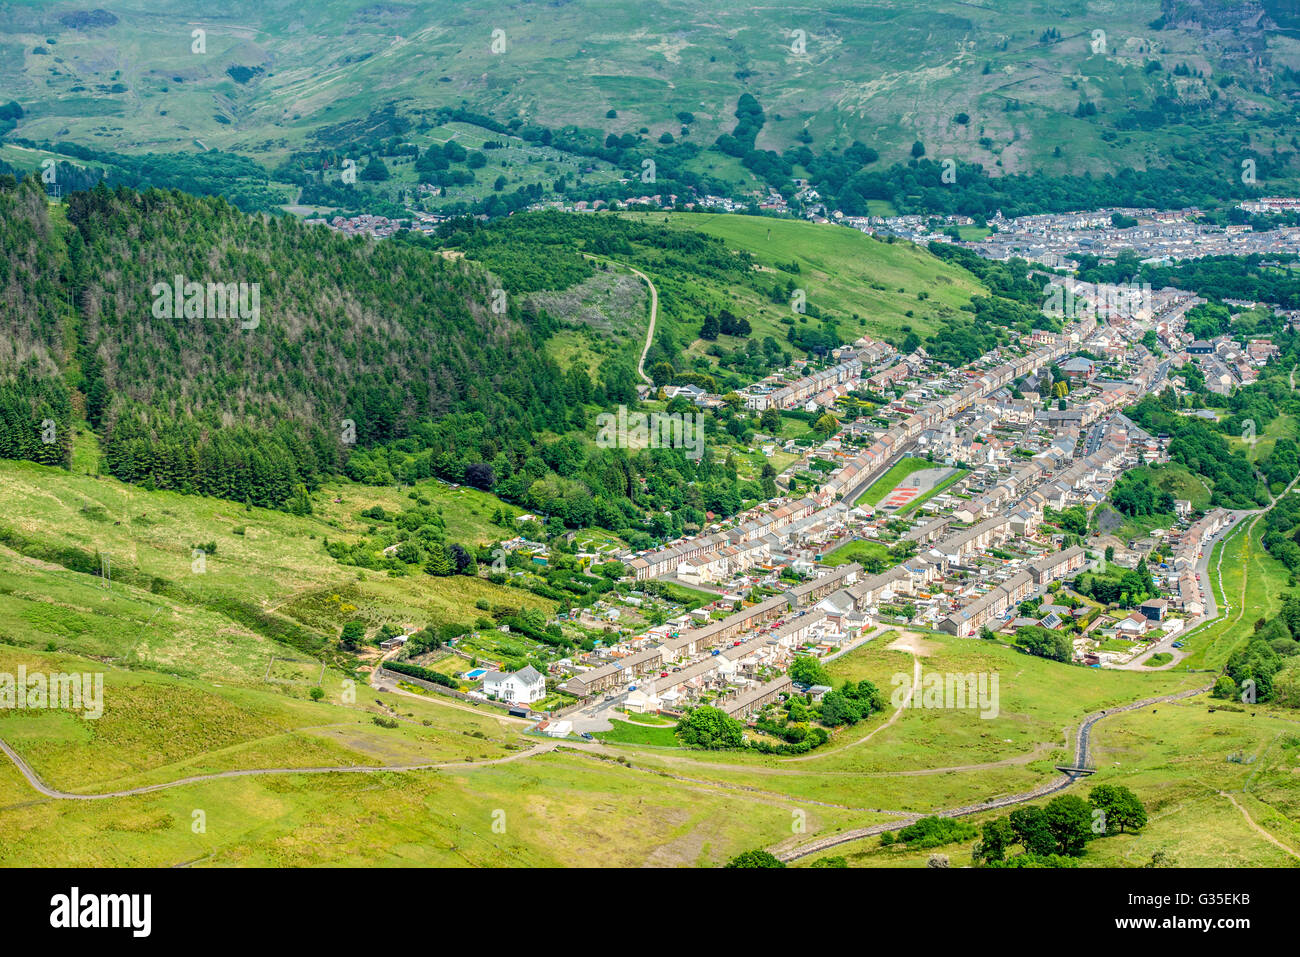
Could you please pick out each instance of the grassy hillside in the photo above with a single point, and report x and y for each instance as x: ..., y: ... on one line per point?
x: 191, y: 692
x: 266, y: 562
x: 706, y: 266
x: 880, y: 72
x: 873, y: 284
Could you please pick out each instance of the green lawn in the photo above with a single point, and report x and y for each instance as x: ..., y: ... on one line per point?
x: 856, y: 551
x: 1117, y: 645
x: 625, y: 733
x: 882, y: 486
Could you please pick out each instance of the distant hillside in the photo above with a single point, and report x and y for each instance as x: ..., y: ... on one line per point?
x: 1029, y: 87
x: 713, y: 271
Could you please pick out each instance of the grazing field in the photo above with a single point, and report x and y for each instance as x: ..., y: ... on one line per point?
x: 1188, y: 764
x: 264, y: 558
x: 1218, y: 789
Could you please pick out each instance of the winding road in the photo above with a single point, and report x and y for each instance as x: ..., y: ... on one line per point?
x: 654, y: 311
x: 35, y: 781
x: 1082, y: 738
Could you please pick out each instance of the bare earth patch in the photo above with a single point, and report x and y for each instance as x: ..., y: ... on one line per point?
x: 913, y: 643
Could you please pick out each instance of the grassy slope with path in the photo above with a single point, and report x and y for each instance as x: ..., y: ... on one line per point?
x: 686, y: 805
x: 843, y: 272
x: 164, y: 722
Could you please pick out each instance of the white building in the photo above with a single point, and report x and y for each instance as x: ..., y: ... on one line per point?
x: 521, y: 687
x: 556, y: 729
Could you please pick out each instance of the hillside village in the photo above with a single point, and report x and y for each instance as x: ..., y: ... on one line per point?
x: 973, y: 537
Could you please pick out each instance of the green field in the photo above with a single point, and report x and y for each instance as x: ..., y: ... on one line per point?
x: 855, y: 551
x: 870, y: 283
x: 265, y: 559
x: 1218, y: 789
x: 881, y: 487
x: 630, y: 732
x: 1254, y: 584
x: 925, y: 496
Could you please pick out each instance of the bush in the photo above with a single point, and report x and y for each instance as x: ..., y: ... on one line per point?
x: 935, y: 831
x: 425, y: 674
x: 1224, y: 688
x: 711, y: 728
x: 755, y: 859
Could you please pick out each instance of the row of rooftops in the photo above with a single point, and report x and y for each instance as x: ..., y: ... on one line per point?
x: 666, y: 560
x: 1188, y: 551
x: 940, y: 409
x: 999, y: 597
x: 815, y: 382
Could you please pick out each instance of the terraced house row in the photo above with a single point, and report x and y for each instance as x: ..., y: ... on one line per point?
x: 990, y: 606
x: 698, y: 550
x: 791, y: 632
x: 1187, y: 552
x: 903, y: 434
x: 690, y: 642
x: 743, y: 537
x: 805, y: 388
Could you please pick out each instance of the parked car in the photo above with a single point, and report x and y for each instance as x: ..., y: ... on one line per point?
x: 586, y: 736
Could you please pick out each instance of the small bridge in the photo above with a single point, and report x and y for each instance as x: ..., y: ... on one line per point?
x: 1075, y: 772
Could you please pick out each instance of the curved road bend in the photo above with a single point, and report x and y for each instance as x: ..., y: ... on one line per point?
x: 35, y: 781
x: 654, y: 312
x: 1082, y: 738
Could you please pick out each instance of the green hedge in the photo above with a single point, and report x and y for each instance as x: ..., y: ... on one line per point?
x: 426, y: 674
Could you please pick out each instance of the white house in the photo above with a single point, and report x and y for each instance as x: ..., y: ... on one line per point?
x: 521, y: 687
x: 641, y: 702
x: 556, y: 729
